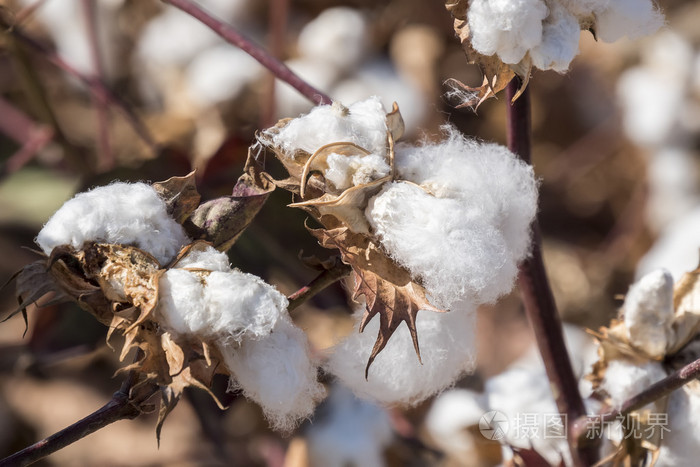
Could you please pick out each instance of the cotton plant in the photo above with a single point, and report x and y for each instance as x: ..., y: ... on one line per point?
x: 506, y: 38
x: 655, y: 333
x: 431, y: 231
x: 142, y: 259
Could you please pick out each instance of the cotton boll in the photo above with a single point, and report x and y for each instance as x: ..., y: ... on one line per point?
x: 396, y: 376
x: 508, y: 28
x: 122, y: 213
x: 208, y: 258
x: 631, y: 18
x: 348, y: 431
x: 466, y: 227
x: 276, y: 371
x: 338, y: 36
x: 648, y: 312
x: 222, y: 305
x: 363, y: 123
x: 624, y: 379
x: 560, y: 35
x: 219, y: 74
x: 347, y: 171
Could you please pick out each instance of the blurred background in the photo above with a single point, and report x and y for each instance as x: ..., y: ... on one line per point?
x: 616, y: 146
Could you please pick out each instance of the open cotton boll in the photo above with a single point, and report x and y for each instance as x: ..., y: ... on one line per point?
x: 208, y: 258
x: 348, y: 431
x: 347, y: 171
x: 363, y: 123
x: 648, y: 312
x: 466, y: 227
x: 624, y: 379
x: 122, y: 213
x: 508, y: 28
x: 338, y: 36
x: 228, y: 305
x: 631, y: 18
x: 276, y: 371
x: 396, y: 376
x: 560, y: 36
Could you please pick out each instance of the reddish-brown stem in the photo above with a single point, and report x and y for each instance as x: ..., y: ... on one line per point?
x: 584, y: 425
x: 323, y: 280
x: 230, y: 35
x: 106, y: 159
x: 95, y: 86
x: 277, y: 22
x: 537, y: 293
x: 21, y: 129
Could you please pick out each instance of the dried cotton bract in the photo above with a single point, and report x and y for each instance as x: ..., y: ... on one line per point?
x: 120, y: 213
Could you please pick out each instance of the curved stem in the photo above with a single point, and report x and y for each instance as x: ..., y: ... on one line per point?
x: 323, y: 280
x: 230, y: 35
x: 537, y: 293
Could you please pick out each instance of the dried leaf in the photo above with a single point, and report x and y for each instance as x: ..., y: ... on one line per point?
x: 180, y: 195
x: 388, y: 288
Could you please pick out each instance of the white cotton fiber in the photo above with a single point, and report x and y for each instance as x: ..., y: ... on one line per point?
x: 363, y: 123
x: 206, y: 257
x: 397, y: 377
x: 631, y: 18
x: 276, y: 371
x: 228, y: 305
x: 122, y: 213
x: 624, y: 379
x: 347, y: 171
x: 560, y: 36
x: 648, y: 312
x: 348, y: 431
x: 464, y: 230
x: 508, y: 28
x: 681, y: 439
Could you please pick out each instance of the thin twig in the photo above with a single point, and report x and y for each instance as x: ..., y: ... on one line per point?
x: 19, y: 127
x: 537, y: 293
x: 323, y: 280
x: 95, y: 86
x: 123, y: 405
x: 584, y: 425
x: 277, y: 25
x: 230, y: 35
x: 106, y: 159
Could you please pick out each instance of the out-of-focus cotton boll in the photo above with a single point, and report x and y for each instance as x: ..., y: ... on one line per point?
x: 66, y: 23
x: 624, y: 379
x: 631, y: 18
x: 508, y: 28
x: 220, y: 74
x: 363, y: 123
x: 277, y: 372
x: 466, y: 227
x: 677, y: 249
x: 560, y: 36
x: 681, y: 443
x: 449, y: 416
x: 648, y: 311
x: 121, y: 213
x: 380, y: 78
x: 338, y: 36
x: 348, y: 431
x: 206, y: 258
x: 396, y: 376
x: 228, y: 305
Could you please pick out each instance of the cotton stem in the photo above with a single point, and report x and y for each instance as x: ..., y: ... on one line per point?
x: 323, y: 280
x: 537, y: 293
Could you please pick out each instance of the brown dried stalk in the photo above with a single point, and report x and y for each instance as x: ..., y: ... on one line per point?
x: 230, y: 35
x: 537, y: 293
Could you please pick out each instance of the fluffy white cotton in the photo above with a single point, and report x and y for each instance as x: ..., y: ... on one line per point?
x: 397, y: 377
x: 276, y: 371
x: 338, y: 36
x: 219, y: 74
x: 363, y: 123
x: 347, y: 171
x: 560, y: 35
x: 122, y: 213
x: 348, y: 431
x: 631, y: 18
x: 228, y: 305
x: 508, y: 28
x: 450, y: 414
x: 681, y: 443
x: 648, y: 312
x: 624, y: 379
x: 464, y: 230
x: 205, y: 257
